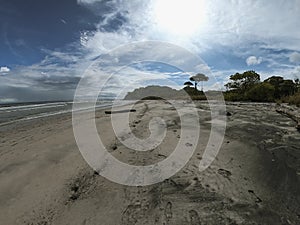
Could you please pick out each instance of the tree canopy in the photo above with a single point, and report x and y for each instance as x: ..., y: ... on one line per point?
x: 188, y: 83
x: 241, y: 82
x: 282, y: 87
x: 199, y: 77
x: 248, y: 87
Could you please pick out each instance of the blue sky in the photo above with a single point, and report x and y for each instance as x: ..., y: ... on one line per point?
x: 47, y: 46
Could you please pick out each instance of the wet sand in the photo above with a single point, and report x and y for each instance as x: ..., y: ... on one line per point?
x: 255, y: 178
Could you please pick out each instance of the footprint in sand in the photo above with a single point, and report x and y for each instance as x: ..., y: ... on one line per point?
x: 257, y: 199
x: 225, y: 173
x: 113, y: 147
x: 137, y: 122
x: 194, y: 217
x: 168, y: 211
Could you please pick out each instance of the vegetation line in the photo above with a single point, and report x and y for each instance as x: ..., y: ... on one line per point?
x: 248, y: 87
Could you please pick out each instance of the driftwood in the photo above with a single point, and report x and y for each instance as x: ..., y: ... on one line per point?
x: 120, y: 111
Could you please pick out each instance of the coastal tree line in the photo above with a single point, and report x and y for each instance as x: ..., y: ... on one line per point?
x: 248, y: 86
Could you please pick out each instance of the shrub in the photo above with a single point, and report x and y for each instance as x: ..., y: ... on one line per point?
x: 233, y: 96
x: 293, y: 99
x: 262, y: 92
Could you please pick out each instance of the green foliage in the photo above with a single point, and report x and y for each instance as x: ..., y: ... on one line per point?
x: 287, y: 87
x: 275, y: 81
x: 262, y: 92
x: 233, y: 96
x: 293, y: 99
x: 194, y: 93
x: 282, y: 87
x: 152, y: 98
x: 242, y: 82
x: 198, y: 97
x: 247, y: 87
x: 188, y: 83
x: 199, y: 78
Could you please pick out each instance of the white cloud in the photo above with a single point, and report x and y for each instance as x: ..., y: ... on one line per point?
x: 295, y: 57
x: 253, y: 60
x: 237, y: 21
x: 4, y: 69
x: 99, y: 42
x: 257, y: 21
x: 255, y: 24
x: 271, y: 25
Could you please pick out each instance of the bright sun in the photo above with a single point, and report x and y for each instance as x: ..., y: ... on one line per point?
x: 180, y: 17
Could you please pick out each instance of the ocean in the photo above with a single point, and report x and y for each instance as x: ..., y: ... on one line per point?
x: 11, y: 113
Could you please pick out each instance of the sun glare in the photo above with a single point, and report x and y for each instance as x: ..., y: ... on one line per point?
x: 181, y: 17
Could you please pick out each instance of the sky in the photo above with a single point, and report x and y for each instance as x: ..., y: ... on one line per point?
x: 47, y: 46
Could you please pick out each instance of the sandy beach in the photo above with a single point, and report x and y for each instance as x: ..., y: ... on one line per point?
x: 255, y: 178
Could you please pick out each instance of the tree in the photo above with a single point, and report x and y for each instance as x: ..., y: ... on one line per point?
x: 287, y: 87
x: 276, y: 81
x: 297, y: 82
x: 282, y: 87
x: 199, y: 78
x: 262, y: 92
x: 247, y: 86
x: 188, y: 84
x: 242, y: 82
